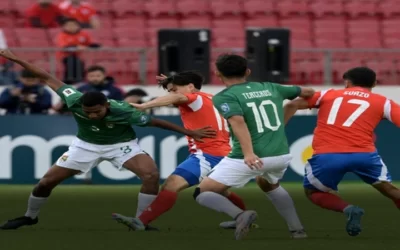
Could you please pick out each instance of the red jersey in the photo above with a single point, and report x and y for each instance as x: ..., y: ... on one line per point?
x: 347, y: 119
x: 65, y: 39
x: 48, y: 16
x: 199, y: 112
x: 83, y: 12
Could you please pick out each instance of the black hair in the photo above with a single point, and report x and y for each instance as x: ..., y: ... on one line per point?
x: 183, y: 79
x: 27, y: 74
x: 93, y: 98
x: 136, y: 92
x: 69, y: 19
x: 96, y: 68
x: 231, y: 66
x: 361, y: 76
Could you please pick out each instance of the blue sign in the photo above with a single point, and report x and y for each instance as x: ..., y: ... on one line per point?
x: 29, y: 145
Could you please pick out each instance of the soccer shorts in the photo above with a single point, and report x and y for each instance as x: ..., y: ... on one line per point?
x: 324, y: 171
x: 196, y: 167
x: 84, y: 156
x: 235, y: 173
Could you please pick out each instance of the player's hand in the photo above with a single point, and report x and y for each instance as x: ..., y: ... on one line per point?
x: 253, y: 162
x: 206, y: 132
x: 31, y: 98
x: 161, y: 78
x: 138, y: 106
x: 6, y: 53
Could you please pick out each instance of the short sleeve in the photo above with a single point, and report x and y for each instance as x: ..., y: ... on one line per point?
x: 139, y: 118
x: 69, y: 95
x: 391, y: 112
x: 289, y: 92
x: 195, y: 102
x: 314, y: 101
x: 227, y: 106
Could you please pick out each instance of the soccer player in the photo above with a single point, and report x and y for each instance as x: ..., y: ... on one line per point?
x: 196, y: 109
x: 344, y: 142
x: 104, y: 133
x: 254, y: 111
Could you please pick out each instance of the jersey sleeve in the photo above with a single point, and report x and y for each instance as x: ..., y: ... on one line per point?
x: 227, y: 106
x: 139, y: 118
x: 69, y: 95
x: 392, y: 112
x: 288, y: 91
x: 313, y: 102
x: 195, y: 102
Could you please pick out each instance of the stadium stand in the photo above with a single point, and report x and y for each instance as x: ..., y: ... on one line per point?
x: 323, y: 24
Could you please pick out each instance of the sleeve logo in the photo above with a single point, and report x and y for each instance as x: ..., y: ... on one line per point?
x: 68, y: 92
x: 144, y: 118
x: 225, y: 107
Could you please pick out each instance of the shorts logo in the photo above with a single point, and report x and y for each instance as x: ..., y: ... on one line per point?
x: 95, y: 129
x: 64, y: 158
x: 225, y: 107
x: 68, y: 92
x: 110, y: 125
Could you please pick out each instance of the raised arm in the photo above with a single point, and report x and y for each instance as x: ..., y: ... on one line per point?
x: 291, y: 108
x: 162, y: 101
x: 50, y: 80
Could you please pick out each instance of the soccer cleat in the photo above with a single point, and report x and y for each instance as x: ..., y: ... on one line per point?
x: 132, y: 223
x: 299, y: 234
x: 354, y: 214
x: 243, y: 223
x: 150, y: 228
x: 19, y: 222
x: 232, y: 225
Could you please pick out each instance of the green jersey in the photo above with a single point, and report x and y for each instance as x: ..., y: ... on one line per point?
x: 261, y: 105
x: 115, y: 127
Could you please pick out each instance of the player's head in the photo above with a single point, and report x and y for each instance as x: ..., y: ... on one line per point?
x: 95, y: 105
x: 96, y: 75
x: 135, y: 95
x: 360, y: 77
x: 45, y: 3
x: 71, y: 25
x: 28, y: 79
x: 231, y: 67
x: 184, y: 82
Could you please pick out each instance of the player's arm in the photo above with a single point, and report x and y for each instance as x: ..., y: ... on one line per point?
x: 392, y: 112
x: 142, y: 119
x: 291, y: 107
x: 175, y: 99
x: 50, y: 80
x: 291, y: 92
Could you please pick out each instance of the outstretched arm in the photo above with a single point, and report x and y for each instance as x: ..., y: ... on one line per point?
x: 291, y: 108
x: 162, y: 101
x: 50, y: 80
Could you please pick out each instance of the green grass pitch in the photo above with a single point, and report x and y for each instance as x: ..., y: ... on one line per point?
x: 79, y: 217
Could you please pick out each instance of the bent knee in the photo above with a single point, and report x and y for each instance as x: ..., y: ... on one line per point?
x: 150, y: 176
x: 175, y: 183
x: 264, y: 185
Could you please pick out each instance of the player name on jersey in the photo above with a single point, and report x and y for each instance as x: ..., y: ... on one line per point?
x: 257, y: 94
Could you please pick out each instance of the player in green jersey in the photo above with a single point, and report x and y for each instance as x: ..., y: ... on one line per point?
x: 254, y: 111
x: 104, y: 133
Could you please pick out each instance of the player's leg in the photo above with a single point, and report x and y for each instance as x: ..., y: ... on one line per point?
x: 39, y: 196
x: 322, y: 175
x: 212, y: 190
x: 375, y: 173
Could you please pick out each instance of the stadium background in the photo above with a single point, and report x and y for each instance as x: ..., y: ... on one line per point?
x: 327, y: 37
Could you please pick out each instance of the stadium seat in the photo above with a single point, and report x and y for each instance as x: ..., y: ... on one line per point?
x: 32, y: 37
x: 154, y: 25
x: 370, y: 42
x: 311, y: 71
x: 228, y: 22
x: 386, y: 71
x: 221, y: 7
x: 253, y: 7
x: 261, y: 21
x: 290, y: 7
x: 330, y: 32
x: 10, y: 37
x: 203, y: 21
x: 360, y: 7
x: 190, y: 7
x: 389, y: 8
x: 21, y: 6
x: 326, y: 7
x: 300, y: 28
x: 6, y: 6
x: 107, y: 21
x: 133, y: 21
x: 228, y: 38
x: 103, y: 7
x: 6, y: 21
x: 330, y: 42
x: 123, y: 8
x: 340, y: 67
x: 159, y: 7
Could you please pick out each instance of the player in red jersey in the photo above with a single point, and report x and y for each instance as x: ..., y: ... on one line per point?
x: 344, y: 142
x: 196, y: 110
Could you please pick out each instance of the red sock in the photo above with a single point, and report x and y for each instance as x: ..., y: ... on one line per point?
x: 235, y: 199
x: 164, y: 202
x: 397, y: 202
x: 328, y: 201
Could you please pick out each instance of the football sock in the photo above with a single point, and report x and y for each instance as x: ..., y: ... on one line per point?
x: 34, y: 204
x: 236, y: 200
x: 218, y: 203
x: 164, y: 202
x: 144, y: 200
x: 284, y: 204
x: 397, y: 203
x: 328, y: 201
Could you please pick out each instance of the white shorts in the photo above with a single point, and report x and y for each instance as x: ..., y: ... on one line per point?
x: 84, y: 156
x: 235, y: 173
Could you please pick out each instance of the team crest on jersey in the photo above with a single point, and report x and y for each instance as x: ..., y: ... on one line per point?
x: 225, y: 107
x: 64, y: 158
x: 110, y: 125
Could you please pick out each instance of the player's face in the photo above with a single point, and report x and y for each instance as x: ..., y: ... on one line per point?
x: 95, y: 77
x: 71, y: 27
x: 97, y: 112
x: 172, y: 88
